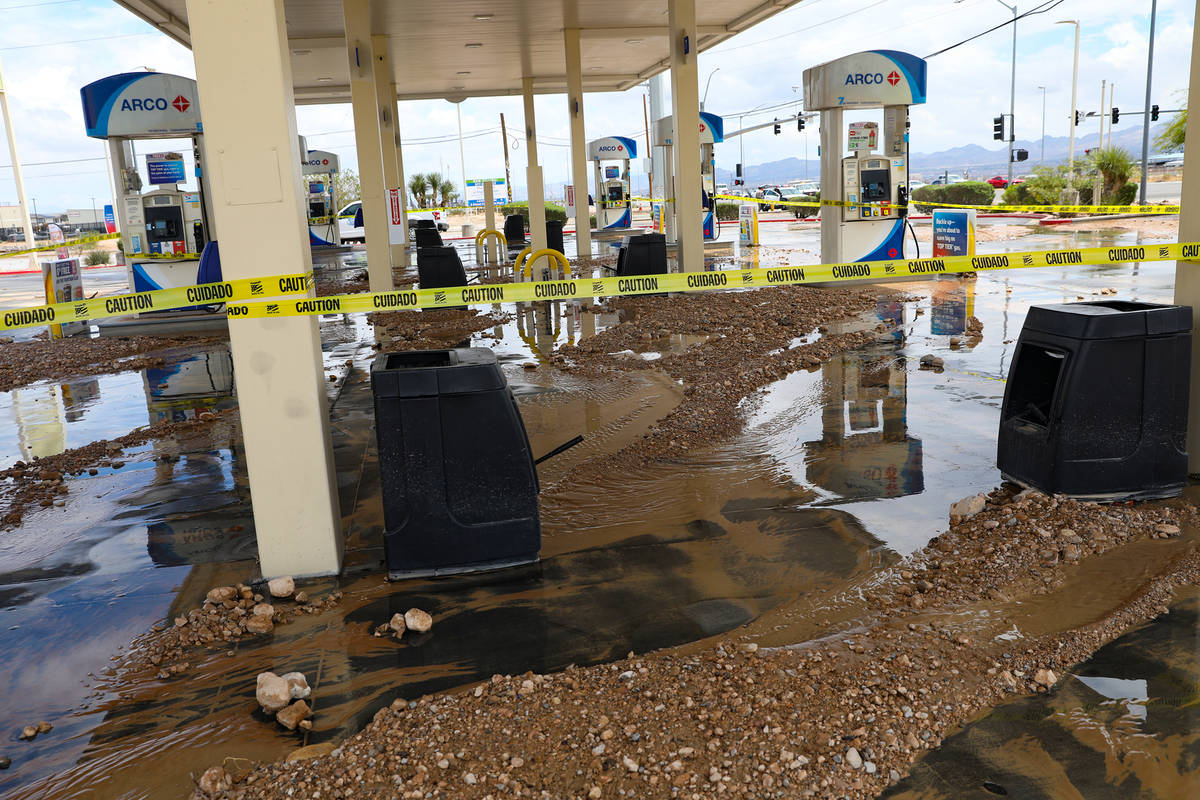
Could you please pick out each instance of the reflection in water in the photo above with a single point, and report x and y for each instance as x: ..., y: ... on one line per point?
x: 1126, y: 724
x: 953, y: 304
x: 184, y: 389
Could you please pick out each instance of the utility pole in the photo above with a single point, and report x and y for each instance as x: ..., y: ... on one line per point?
x: 508, y: 187
x: 646, y: 122
x: 1042, y: 157
x: 18, y: 178
x: 1074, y: 106
x: 1146, y: 116
x: 1112, y: 95
x: 1012, y: 95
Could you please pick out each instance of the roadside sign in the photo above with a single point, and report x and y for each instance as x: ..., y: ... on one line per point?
x: 474, y: 196
x: 64, y: 284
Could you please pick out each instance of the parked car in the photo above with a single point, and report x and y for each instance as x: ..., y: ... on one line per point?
x: 349, y: 213
x: 946, y: 180
x: 998, y: 182
x: 1018, y: 180
x: 769, y: 197
x: 914, y: 185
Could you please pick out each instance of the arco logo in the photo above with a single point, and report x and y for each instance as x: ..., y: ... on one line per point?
x: 181, y: 103
x: 893, y: 78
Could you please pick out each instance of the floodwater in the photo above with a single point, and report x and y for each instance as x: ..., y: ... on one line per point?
x: 1123, y: 724
x: 840, y: 471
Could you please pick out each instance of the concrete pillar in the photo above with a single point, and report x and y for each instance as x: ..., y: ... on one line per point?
x: 685, y: 108
x: 831, y: 182
x: 401, y: 182
x: 365, y: 102
x: 385, y: 93
x: 1187, y: 273
x: 533, y: 173
x: 261, y: 222
x: 489, y: 221
x: 583, y: 223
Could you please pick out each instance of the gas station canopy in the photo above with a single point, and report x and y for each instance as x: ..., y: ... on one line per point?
x: 478, y: 48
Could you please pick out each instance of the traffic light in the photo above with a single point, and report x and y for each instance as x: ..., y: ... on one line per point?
x: 1154, y: 112
x: 777, y: 128
x: 1078, y: 116
x: 800, y: 123
x: 1020, y: 154
x: 1116, y: 115
x: 998, y: 127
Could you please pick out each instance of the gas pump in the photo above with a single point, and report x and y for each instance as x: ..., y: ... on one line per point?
x: 163, y: 230
x: 876, y: 171
x: 320, y: 168
x: 614, y: 204
x: 712, y: 130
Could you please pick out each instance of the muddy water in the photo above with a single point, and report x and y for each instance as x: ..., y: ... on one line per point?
x: 839, y: 469
x: 1123, y: 724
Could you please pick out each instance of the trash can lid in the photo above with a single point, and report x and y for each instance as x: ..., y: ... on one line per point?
x: 427, y: 373
x: 1109, y: 319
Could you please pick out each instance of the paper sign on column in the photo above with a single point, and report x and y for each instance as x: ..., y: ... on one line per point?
x: 395, y: 217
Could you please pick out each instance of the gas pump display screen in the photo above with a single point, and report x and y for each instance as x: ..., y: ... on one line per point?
x: 612, y: 172
x: 615, y: 194
x: 316, y: 208
x: 876, y: 185
x: 316, y: 188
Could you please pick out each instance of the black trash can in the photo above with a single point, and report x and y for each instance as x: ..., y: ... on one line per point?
x: 514, y: 231
x: 644, y: 254
x: 460, y: 492
x: 554, y: 235
x: 438, y: 267
x: 428, y: 237
x: 1096, y: 401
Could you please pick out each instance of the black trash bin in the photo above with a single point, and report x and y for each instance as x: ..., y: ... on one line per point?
x: 554, y: 235
x: 514, y: 231
x: 1096, y: 401
x: 438, y: 267
x: 428, y: 237
x: 460, y: 492
x: 644, y: 254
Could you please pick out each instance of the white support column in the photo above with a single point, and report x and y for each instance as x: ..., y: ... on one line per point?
x: 15, y: 160
x: 261, y: 222
x: 831, y: 184
x: 533, y: 173
x: 365, y: 103
x: 583, y: 224
x: 401, y: 182
x: 685, y: 108
x: 492, y: 247
x: 385, y: 92
x: 1187, y: 273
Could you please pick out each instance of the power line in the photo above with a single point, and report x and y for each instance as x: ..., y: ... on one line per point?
x: 22, y: 6
x: 1042, y: 9
x: 80, y: 41
x: 799, y: 30
x: 48, y: 163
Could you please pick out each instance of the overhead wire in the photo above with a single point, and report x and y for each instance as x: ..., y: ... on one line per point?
x: 1041, y: 9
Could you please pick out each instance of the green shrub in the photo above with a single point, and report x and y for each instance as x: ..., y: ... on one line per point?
x: 965, y: 193
x: 727, y: 212
x: 1043, y: 188
x: 94, y: 258
x: 553, y: 212
x: 801, y: 212
x: 1125, y: 195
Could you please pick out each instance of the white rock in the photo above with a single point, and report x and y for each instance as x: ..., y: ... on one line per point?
x: 297, y: 685
x: 853, y: 759
x: 629, y: 763
x: 220, y: 594
x: 1045, y: 677
x: 263, y: 610
x: 273, y: 692
x: 968, y: 506
x: 869, y: 766
x: 396, y: 623
x: 417, y: 620
x: 281, y: 587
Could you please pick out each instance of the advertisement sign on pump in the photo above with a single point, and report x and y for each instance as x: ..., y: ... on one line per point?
x: 110, y: 220
x: 165, y: 168
x: 64, y: 284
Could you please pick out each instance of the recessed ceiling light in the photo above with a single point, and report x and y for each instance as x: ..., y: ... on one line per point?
x: 633, y: 41
x: 301, y: 52
x: 324, y: 80
x: 595, y: 69
x: 458, y: 88
x: 463, y: 72
x: 473, y: 45
x: 483, y: 17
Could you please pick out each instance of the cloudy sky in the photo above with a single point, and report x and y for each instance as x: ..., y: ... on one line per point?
x: 50, y: 48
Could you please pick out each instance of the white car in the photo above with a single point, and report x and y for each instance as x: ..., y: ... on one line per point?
x: 349, y: 213
x: 914, y: 185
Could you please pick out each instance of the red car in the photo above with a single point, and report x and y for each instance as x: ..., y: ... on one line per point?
x: 998, y: 182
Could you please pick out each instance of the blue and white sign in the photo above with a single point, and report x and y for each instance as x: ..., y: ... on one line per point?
x: 141, y: 105
x: 868, y: 79
x: 165, y: 168
x: 953, y: 232
x: 609, y: 148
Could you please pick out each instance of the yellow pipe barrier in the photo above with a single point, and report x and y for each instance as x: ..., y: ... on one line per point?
x: 521, y: 256
x: 486, y: 232
x: 550, y: 253
x: 481, y: 239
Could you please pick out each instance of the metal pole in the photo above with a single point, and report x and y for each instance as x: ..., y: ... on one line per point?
x: 508, y: 187
x: 462, y: 160
x: 18, y: 178
x: 1012, y: 97
x: 1146, y: 116
x: 1042, y: 158
x: 1074, y: 107
x: 742, y: 148
x: 1112, y: 94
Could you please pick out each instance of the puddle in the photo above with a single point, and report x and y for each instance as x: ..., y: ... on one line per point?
x: 1121, y: 724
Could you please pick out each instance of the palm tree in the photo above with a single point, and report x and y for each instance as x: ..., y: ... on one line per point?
x: 1115, y: 166
x: 417, y: 184
x: 448, y: 192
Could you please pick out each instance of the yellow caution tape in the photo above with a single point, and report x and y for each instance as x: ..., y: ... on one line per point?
x: 321, y: 220
x: 178, y: 256
x: 157, y: 300
x: 1076, y: 209
x: 71, y: 243
x: 586, y: 288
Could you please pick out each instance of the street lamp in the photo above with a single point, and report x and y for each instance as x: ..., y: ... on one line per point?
x: 1146, y: 116
x: 1012, y: 94
x: 1074, y: 88
x: 706, y: 85
x: 1042, y: 158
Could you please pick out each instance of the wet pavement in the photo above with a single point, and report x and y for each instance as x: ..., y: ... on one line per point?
x: 1123, y: 724
x: 839, y: 472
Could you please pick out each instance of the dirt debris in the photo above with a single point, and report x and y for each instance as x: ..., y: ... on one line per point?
x: 431, y: 330
x: 842, y: 716
x: 22, y: 363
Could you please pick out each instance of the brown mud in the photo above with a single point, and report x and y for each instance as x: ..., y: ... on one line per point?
x: 840, y: 716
